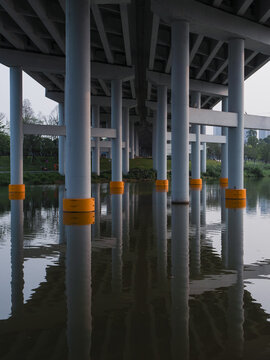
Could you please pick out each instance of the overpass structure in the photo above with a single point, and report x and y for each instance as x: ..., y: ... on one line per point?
x: 148, y: 60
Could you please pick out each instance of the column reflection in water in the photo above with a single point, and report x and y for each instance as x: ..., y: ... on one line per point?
x: 96, y: 196
x: 224, y: 233
x: 180, y: 282
x: 117, y: 231
x: 78, y: 289
x: 62, y: 230
x: 17, y: 280
x: 127, y: 218
x: 236, y: 292
x: 195, y: 244
x: 161, y: 235
x: 203, y: 200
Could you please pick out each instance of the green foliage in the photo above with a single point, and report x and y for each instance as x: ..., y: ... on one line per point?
x: 253, y: 170
x: 141, y: 174
x: 214, y: 151
x: 213, y: 169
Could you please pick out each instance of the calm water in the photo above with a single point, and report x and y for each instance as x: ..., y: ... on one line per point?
x: 149, y: 280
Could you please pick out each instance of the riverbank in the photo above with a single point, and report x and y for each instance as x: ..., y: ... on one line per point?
x: 141, y: 169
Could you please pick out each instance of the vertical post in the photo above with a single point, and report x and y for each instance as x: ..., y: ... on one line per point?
x: 126, y: 140
x: 161, y: 132
x: 180, y: 111
x: 137, y: 152
x: 116, y: 107
x: 131, y: 139
x: 16, y: 134
x: 96, y: 151
x: 203, y: 151
x: 77, y: 107
x: 154, y: 141
x: 224, y: 148
x: 195, y: 146
x: 236, y: 135
x: 61, y: 140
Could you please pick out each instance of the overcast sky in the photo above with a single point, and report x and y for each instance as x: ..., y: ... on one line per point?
x: 257, y: 93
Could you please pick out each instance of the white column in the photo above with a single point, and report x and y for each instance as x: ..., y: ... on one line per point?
x: 77, y: 101
x: 61, y: 140
x: 195, y: 146
x: 203, y: 151
x: 180, y: 112
x: 154, y: 141
x: 126, y: 140
x: 116, y: 107
x: 131, y: 128
x: 224, y: 147
x: 162, y: 133
x: 16, y: 127
x: 236, y: 104
x: 96, y: 150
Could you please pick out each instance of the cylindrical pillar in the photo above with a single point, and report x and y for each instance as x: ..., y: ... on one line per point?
x: 161, y: 132
x: 116, y: 107
x: 203, y: 151
x: 131, y: 128
x: 96, y: 150
x: 224, y: 148
x: 61, y: 140
x: 154, y: 142
x: 137, y: 152
x: 126, y: 140
x: 16, y: 132
x: 236, y: 135
x: 180, y: 111
x: 77, y: 107
x: 196, y: 146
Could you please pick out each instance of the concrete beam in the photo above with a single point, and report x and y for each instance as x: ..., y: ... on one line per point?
x: 56, y: 130
x: 216, y: 139
x: 194, y: 85
x: 56, y: 64
x: 213, y: 23
x: 59, y: 96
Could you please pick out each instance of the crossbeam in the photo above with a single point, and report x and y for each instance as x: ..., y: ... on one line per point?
x: 56, y: 64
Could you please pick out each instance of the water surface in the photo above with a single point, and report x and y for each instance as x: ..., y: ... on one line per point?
x: 149, y: 280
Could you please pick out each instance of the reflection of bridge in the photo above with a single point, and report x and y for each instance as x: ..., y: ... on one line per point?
x: 137, y: 318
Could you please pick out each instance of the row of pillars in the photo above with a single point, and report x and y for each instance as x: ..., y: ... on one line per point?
x: 77, y: 114
x: 232, y: 152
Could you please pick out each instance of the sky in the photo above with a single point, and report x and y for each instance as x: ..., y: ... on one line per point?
x: 257, y: 93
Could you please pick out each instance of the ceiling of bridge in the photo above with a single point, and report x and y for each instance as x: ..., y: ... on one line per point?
x: 127, y: 33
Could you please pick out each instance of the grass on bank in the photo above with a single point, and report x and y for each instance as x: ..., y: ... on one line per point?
x: 140, y: 169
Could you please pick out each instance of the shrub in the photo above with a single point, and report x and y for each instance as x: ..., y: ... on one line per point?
x: 252, y: 170
x: 141, y: 174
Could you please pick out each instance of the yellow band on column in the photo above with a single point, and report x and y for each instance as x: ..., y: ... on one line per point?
x: 196, y: 187
x: 223, y: 181
x: 235, y: 203
x: 19, y: 188
x: 116, y: 191
x: 117, y: 185
x: 235, y: 193
x: 162, y: 183
x: 79, y: 205
x: 16, y: 195
x: 84, y: 218
x: 195, y: 181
